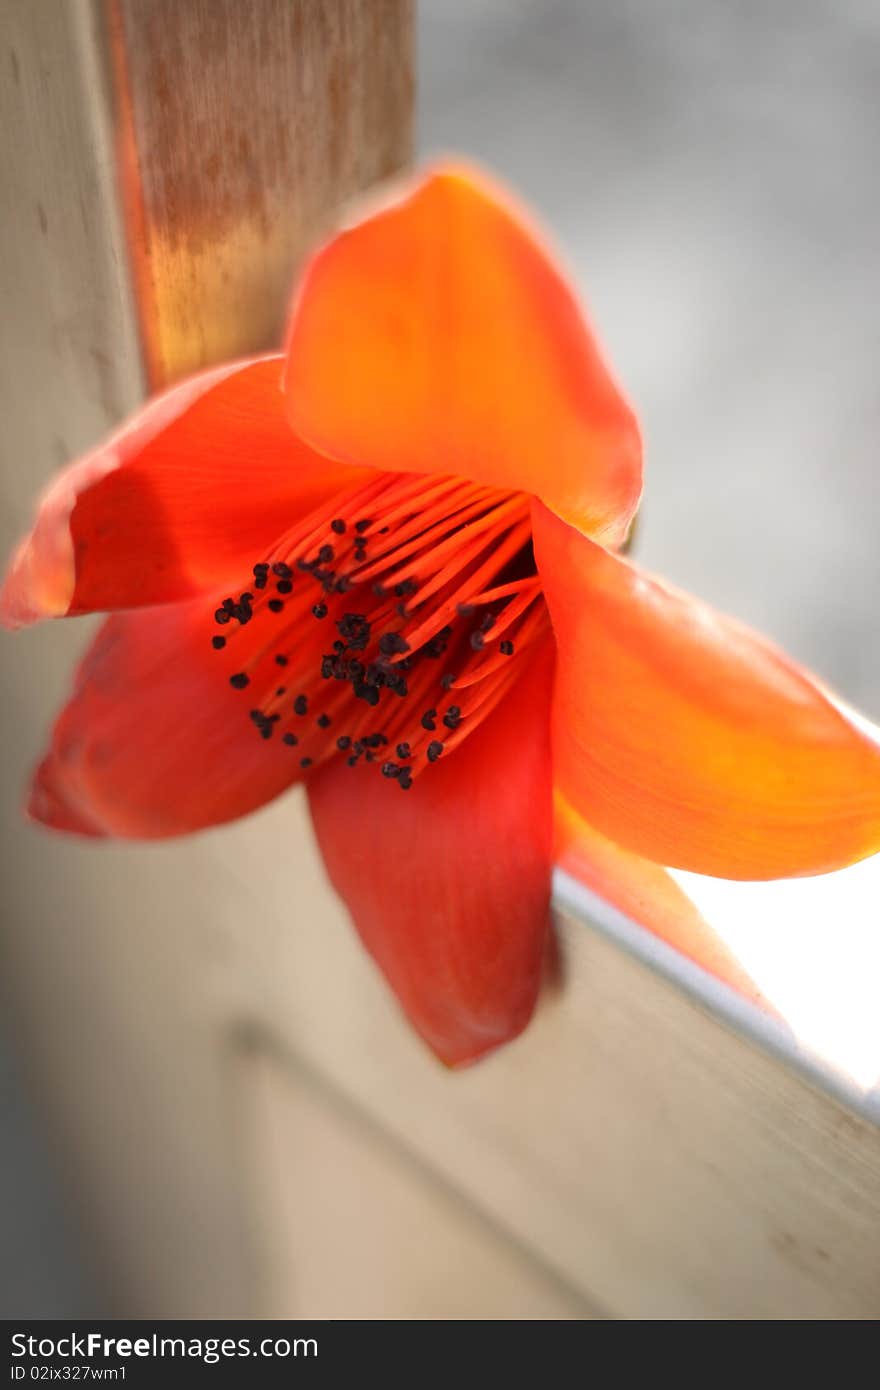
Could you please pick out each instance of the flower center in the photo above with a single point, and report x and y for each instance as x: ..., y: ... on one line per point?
x: 395, y: 618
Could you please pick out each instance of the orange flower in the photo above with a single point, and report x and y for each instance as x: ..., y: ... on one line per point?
x: 384, y: 562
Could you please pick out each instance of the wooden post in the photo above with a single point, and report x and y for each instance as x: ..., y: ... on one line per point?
x: 240, y: 129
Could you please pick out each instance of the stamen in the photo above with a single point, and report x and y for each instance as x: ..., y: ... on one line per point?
x: 419, y: 578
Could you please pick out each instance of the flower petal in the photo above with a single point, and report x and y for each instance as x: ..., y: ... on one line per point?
x: 181, y: 499
x: 154, y: 741
x: 449, y: 882
x: 688, y: 739
x: 438, y: 335
x: 648, y: 895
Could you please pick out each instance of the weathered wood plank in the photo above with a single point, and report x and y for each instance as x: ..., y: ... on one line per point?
x: 241, y: 130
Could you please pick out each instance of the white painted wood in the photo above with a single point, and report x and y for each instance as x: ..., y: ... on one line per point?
x: 352, y: 1227
x: 654, y: 1162
x: 663, y: 1165
x: 69, y: 360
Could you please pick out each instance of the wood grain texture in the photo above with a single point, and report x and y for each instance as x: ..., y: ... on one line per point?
x: 242, y: 128
x: 643, y: 1155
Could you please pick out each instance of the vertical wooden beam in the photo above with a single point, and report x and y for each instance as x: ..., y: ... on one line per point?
x: 241, y: 128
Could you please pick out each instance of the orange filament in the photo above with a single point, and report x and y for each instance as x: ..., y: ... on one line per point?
x: 386, y: 625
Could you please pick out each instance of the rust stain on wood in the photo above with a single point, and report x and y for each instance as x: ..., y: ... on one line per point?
x: 241, y: 130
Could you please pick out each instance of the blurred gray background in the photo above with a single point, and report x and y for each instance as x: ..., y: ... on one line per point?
x: 709, y: 172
